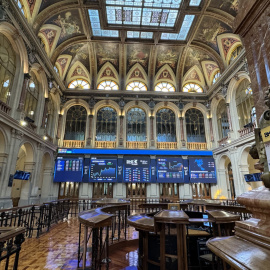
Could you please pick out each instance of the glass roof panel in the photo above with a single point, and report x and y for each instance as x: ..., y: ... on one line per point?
x: 146, y: 3
x: 96, y: 28
x: 138, y: 34
x: 182, y: 35
x: 195, y: 3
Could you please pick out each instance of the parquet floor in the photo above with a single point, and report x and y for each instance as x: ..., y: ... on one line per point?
x: 58, y: 249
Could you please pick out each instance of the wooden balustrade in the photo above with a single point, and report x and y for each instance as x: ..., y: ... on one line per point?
x: 105, y: 144
x: 73, y: 144
x: 4, y: 107
x: 196, y: 146
x: 166, y: 145
x: 245, y: 131
x: 136, y: 145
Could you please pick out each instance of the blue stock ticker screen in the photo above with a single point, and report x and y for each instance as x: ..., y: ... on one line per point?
x: 202, y: 170
x: 103, y: 169
x: 68, y: 169
x: 137, y: 169
x: 170, y: 170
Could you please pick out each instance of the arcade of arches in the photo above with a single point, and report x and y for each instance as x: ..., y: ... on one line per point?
x: 166, y: 87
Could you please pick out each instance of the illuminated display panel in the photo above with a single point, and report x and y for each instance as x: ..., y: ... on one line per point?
x: 195, y: 3
x: 103, y: 169
x: 202, y: 170
x: 254, y: 177
x: 96, y: 27
x: 170, y: 170
x: 182, y: 35
x: 137, y: 169
x: 68, y: 169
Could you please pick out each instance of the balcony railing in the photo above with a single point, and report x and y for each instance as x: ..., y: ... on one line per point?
x: 222, y: 141
x: 196, y: 146
x: 245, y: 131
x: 4, y: 107
x: 104, y: 144
x: 167, y: 145
x: 136, y: 145
x: 73, y: 144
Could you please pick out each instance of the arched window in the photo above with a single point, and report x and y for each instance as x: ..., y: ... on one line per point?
x: 192, y: 88
x: 166, y: 129
x: 106, y: 124
x: 244, y: 103
x: 216, y: 76
x: 7, y: 68
x: 136, y: 125
x: 79, y: 84
x: 195, y: 126
x: 56, y: 69
x: 235, y: 53
x: 32, y: 95
x: 76, y: 123
x: 136, y: 86
x: 164, y: 87
x: 253, y: 116
x: 108, y: 85
x: 222, y: 119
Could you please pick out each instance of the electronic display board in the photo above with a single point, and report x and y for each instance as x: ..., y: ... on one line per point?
x: 137, y: 169
x: 103, y: 169
x: 68, y: 169
x: 21, y: 175
x: 254, y: 177
x: 170, y: 170
x: 202, y: 170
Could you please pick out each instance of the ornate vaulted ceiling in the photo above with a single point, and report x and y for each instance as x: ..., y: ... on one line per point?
x: 150, y: 40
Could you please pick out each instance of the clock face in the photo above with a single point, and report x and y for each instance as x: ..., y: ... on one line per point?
x: 3, y: 54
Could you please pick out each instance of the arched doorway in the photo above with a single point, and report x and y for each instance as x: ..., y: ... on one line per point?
x: 21, y: 188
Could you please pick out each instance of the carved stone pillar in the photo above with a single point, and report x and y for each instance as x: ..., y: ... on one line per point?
x: 45, y: 112
x: 211, y: 129
x: 23, y: 92
x: 183, y: 141
x: 121, y: 135
x: 90, y: 132
x: 152, y: 139
x: 229, y: 116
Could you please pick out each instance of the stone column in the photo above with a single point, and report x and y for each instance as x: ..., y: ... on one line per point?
x: 3, y: 163
x: 24, y: 91
x: 229, y: 116
x: 152, y: 139
x: 211, y: 129
x: 59, y: 128
x: 183, y: 141
x: 221, y: 189
x: 121, y: 135
x: 45, y: 112
x: 45, y: 186
x: 90, y: 132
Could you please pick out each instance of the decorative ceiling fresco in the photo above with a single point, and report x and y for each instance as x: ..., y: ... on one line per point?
x: 69, y: 22
x: 69, y: 39
x: 195, y: 57
x: 209, y: 29
x: 229, y: 6
x: 107, y: 52
x: 138, y: 53
x: 168, y: 55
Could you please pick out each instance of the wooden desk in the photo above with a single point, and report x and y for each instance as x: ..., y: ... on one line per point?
x: 191, y: 232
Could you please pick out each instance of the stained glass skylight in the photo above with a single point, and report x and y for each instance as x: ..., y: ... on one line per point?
x: 161, y: 13
x: 182, y: 35
x: 96, y: 28
x: 195, y: 3
x: 138, y: 34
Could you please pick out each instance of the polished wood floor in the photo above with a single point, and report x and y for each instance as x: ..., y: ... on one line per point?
x: 58, y: 250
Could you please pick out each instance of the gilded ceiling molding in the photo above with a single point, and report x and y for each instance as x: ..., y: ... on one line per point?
x: 209, y: 69
x: 194, y: 75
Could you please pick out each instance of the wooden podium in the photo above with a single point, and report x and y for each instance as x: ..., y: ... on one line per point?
x: 249, y: 248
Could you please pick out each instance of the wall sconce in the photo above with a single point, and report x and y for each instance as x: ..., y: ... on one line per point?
x: 45, y: 138
x: 23, y: 123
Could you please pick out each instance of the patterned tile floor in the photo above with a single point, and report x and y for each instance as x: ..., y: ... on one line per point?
x: 58, y: 250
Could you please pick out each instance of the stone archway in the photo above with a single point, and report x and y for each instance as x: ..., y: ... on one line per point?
x: 25, y: 162
x: 45, y: 181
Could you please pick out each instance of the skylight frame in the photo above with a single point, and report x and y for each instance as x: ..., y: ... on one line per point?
x: 140, y: 35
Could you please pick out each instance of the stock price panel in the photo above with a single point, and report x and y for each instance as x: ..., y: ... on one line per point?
x: 68, y: 169
x: 202, y: 170
x: 137, y: 169
x: 170, y: 170
x: 103, y: 169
